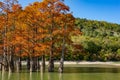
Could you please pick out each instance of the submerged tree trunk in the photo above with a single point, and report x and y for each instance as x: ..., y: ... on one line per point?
x: 51, y: 65
x: 43, y: 63
x: 33, y: 64
x: 18, y: 64
x: 12, y: 67
x: 61, y: 65
x: 11, y: 61
x: 5, y: 63
x: 28, y: 63
x: 62, y: 58
x: 51, y: 61
x: 38, y: 64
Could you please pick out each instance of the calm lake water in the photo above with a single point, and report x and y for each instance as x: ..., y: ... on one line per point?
x: 71, y: 72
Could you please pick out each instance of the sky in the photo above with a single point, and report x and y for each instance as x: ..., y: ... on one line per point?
x: 101, y: 10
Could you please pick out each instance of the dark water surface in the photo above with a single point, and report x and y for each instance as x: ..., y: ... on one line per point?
x: 74, y: 72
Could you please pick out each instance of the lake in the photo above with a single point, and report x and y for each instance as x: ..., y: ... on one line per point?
x: 71, y: 72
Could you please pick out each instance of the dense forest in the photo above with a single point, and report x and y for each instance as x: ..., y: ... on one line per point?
x: 100, y: 40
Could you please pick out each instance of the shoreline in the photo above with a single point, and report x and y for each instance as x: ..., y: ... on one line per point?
x: 82, y: 63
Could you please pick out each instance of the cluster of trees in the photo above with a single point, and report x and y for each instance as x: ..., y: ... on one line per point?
x: 40, y: 29
x: 100, y: 40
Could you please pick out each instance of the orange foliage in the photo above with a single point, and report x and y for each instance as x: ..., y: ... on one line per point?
x: 37, y: 27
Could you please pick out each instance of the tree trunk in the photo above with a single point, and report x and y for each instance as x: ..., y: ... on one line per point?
x: 33, y: 64
x: 62, y: 57
x: 61, y: 65
x: 0, y: 66
x: 5, y: 63
x: 18, y: 64
x: 28, y: 63
x: 62, y: 61
x: 38, y: 64
x: 51, y: 65
x: 11, y: 64
x: 43, y: 63
x: 11, y: 60
x: 51, y: 61
x: 12, y: 67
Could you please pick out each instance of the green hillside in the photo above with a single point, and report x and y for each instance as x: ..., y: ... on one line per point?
x: 100, y: 40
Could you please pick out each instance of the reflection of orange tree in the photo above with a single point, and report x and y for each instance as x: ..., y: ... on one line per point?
x: 42, y: 28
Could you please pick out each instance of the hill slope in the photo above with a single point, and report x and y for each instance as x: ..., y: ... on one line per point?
x: 100, y: 40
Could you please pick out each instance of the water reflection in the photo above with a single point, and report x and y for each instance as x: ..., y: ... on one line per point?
x: 30, y: 76
x: 3, y: 73
x: 60, y: 76
x: 72, y: 73
x: 41, y: 74
x: 53, y: 76
x: 91, y: 70
x: 9, y: 75
x: 18, y: 76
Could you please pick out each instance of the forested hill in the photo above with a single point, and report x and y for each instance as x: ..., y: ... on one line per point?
x: 100, y: 40
x: 95, y: 28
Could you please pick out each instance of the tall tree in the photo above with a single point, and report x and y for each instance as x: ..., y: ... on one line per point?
x: 7, y: 28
